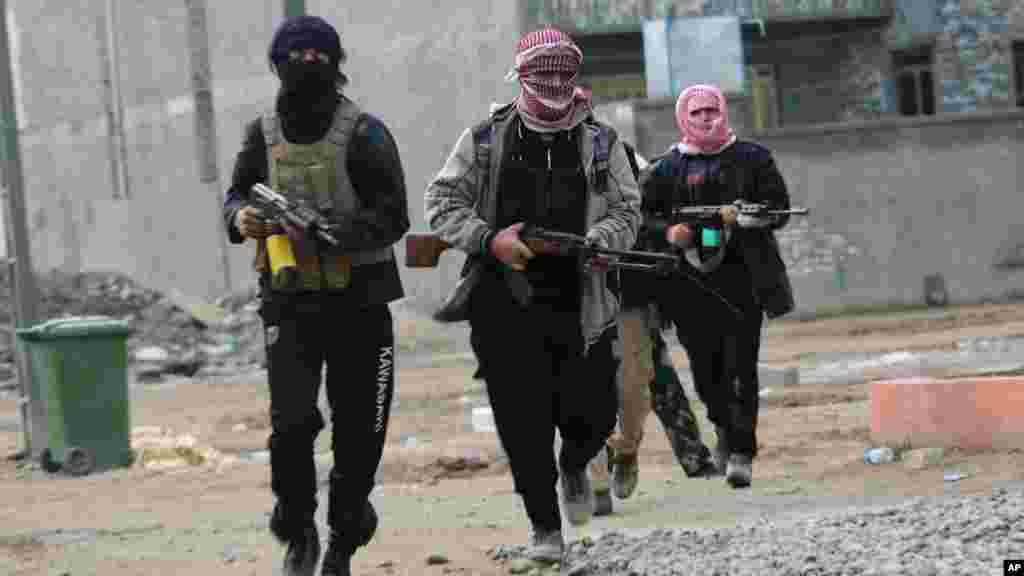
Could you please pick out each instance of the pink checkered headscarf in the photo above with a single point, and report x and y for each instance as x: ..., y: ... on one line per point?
x: 547, y: 63
x: 697, y: 139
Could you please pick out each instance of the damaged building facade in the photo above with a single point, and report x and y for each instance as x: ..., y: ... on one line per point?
x: 897, y: 122
x: 808, y: 62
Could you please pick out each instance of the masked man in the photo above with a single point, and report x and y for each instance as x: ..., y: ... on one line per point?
x: 317, y: 147
x: 738, y: 257
x: 542, y: 322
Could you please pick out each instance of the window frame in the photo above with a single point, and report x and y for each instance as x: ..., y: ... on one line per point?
x: 914, y: 60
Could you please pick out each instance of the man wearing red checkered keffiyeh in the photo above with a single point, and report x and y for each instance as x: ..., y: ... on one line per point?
x: 541, y: 322
x: 547, y: 64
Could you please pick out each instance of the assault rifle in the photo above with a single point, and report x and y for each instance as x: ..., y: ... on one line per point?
x: 424, y: 251
x: 712, y: 214
x: 292, y: 213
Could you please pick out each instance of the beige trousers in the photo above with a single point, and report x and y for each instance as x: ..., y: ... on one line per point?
x: 635, y: 375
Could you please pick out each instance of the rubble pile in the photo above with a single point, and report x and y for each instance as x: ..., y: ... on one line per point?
x: 93, y: 295
x: 173, y: 335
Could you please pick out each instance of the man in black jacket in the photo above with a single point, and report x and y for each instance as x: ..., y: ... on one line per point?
x: 738, y: 258
x: 542, y: 322
x: 318, y: 147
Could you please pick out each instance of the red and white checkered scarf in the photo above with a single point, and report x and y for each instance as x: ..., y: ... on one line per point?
x: 696, y: 138
x: 547, y: 63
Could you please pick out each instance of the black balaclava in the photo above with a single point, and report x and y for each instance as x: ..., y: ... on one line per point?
x: 309, y: 90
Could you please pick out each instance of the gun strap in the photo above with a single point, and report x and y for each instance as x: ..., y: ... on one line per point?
x: 602, y: 151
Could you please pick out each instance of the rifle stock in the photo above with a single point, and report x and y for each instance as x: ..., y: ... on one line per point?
x: 423, y: 250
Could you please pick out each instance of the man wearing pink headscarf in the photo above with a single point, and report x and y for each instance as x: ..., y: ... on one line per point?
x: 541, y: 324
x: 738, y: 257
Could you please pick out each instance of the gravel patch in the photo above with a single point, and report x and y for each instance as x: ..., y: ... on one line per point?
x: 946, y: 536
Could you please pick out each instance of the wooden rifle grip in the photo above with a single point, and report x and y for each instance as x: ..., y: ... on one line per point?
x: 423, y: 250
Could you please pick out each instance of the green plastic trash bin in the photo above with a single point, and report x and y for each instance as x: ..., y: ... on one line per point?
x: 80, y: 370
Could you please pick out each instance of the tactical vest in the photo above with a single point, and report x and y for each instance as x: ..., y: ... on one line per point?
x: 316, y: 174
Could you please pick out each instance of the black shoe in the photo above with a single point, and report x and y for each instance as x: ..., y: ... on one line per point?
x: 303, y: 553
x: 739, y: 470
x: 338, y: 559
x: 577, y: 496
x: 341, y: 546
x: 546, y: 546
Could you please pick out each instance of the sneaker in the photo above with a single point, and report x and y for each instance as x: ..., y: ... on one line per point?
x: 577, y: 497
x: 625, y: 475
x: 302, y: 554
x: 546, y: 546
x: 739, y: 470
x: 602, y: 502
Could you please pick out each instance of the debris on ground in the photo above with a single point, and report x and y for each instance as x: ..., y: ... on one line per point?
x: 174, y: 334
x: 156, y: 448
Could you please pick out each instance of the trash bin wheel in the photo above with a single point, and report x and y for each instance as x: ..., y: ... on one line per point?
x: 77, y: 461
x: 46, y: 460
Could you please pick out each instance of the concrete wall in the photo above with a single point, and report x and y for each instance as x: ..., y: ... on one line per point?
x: 427, y: 69
x: 892, y: 202
x: 896, y: 201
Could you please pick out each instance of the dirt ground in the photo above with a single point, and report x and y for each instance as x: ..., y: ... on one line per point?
x: 211, y: 518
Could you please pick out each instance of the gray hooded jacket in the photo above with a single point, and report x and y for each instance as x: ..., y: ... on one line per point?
x: 461, y: 208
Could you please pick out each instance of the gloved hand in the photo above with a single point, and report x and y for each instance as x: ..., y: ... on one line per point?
x: 747, y: 221
x: 508, y: 248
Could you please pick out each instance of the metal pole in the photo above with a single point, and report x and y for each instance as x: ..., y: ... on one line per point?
x: 116, y: 106
x: 23, y: 283
x: 205, y: 121
x: 294, y: 8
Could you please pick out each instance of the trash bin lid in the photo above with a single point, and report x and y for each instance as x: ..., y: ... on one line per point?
x: 75, y: 327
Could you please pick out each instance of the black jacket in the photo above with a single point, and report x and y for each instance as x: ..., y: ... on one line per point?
x: 750, y: 174
x: 378, y: 178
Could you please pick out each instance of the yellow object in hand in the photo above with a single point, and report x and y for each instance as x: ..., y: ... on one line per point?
x: 284, y: 271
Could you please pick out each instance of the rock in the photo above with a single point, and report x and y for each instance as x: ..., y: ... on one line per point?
x: 437, y: 559
x: 199, y: 310
x: 219, y: 351
x: 151, y: 354
x: 922, y: 458
x: 463, y: 462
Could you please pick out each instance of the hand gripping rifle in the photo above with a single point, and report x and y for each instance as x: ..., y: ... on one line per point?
x: 712, y: 214
x: 284, y: 273
x: 607, y: 258
x: 596, y: 256
x: 291, y: 213
x: 424, y: 251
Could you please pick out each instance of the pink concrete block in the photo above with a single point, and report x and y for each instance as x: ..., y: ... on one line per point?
x: 966, y: 412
